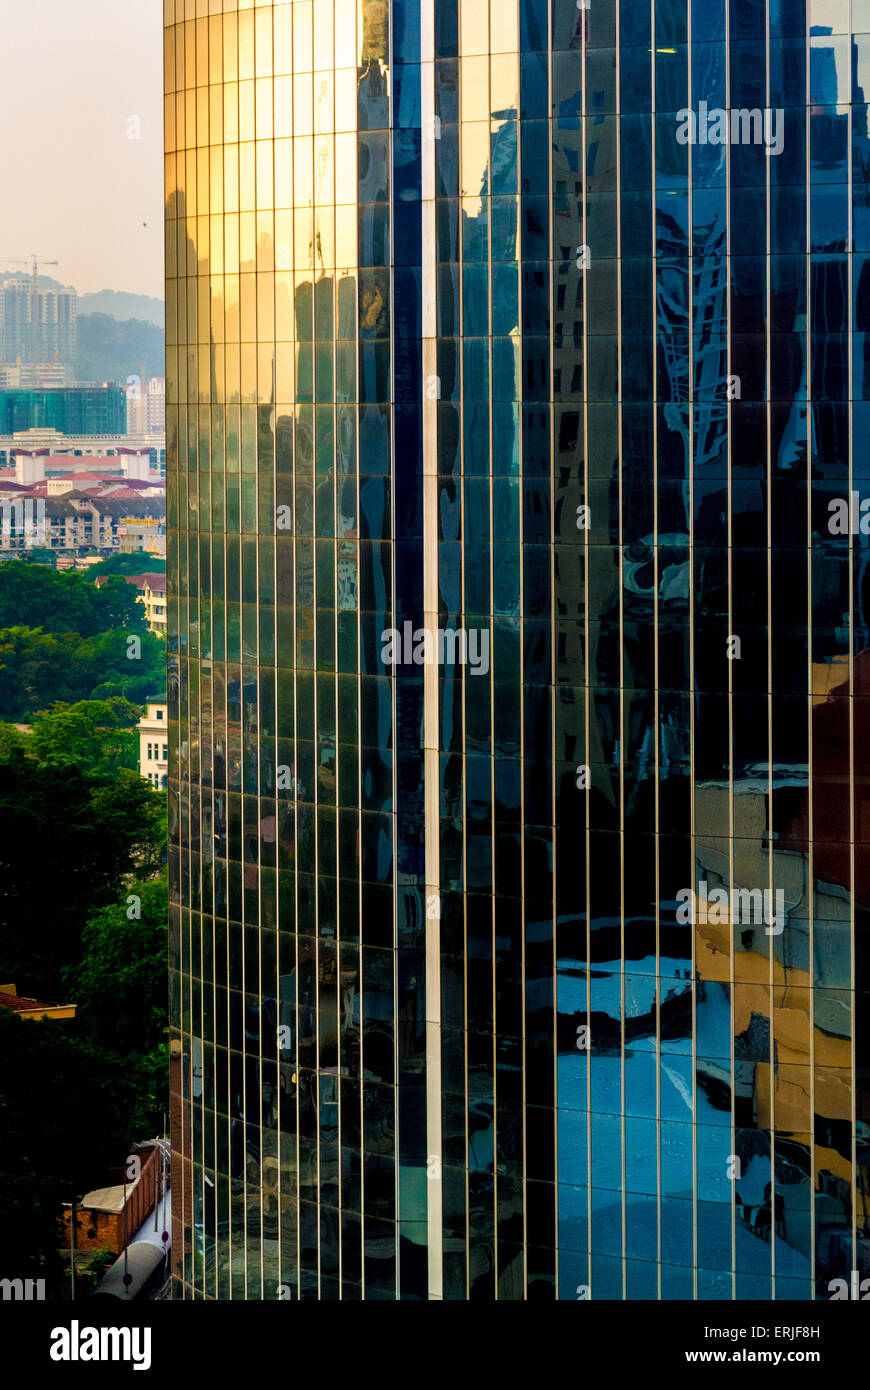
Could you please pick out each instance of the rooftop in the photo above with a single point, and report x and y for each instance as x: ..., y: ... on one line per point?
x: 26, y: 1006
x: 104, y: 1199
x: 155, y: 581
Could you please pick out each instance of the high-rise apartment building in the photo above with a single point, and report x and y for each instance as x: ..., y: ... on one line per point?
x: 146, y: 405
x: 37, y: 325
x: 518, y: 641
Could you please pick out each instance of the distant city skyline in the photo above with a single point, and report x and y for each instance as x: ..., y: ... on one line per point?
x: 83, y: 142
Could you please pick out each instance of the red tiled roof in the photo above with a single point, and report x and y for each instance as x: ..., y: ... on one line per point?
x: 20, y: 1003
x: 134, y: 579
x: 155, y: 581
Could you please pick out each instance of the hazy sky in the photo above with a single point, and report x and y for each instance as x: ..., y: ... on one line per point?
x: 75, y: 188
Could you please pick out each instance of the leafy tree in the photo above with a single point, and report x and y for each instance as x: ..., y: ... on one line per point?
x: 63, y: 601
x: 38, y: 668
x: 128, y: 562
x: 64, y: 639
x: 134, y: 672
x: 95, y: 735
x: 119, y: 985
x: 12, y: 741
x: 89, y: 1274
x: 68, y: 845
x: 80, y: 833
x: 116, y: 604
x: 42, y: 555
x: 133, y: 814
x: 34, y: 596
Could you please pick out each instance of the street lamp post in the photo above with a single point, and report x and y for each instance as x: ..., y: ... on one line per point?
x: 72, y: 1252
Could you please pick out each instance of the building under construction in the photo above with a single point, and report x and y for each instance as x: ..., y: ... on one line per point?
x: 38, y: 324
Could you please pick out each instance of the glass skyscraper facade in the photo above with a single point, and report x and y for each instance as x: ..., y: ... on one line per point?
x: 530, y: 961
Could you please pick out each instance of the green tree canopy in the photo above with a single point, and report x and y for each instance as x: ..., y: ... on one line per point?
x: 128, y: 562
x: 42, y: 555
x: 81, y: 833
x: 68, y: 844
x: 38, y: 668
x: 95, y: 735
x: 119, y: 984
x: 13, y: 741
x: 35, y: 596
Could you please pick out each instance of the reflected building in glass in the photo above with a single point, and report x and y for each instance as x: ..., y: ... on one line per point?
x: 529, y: 962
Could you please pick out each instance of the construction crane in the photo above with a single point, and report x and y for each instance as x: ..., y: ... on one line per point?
x: 44, y: 369
x: 33, y: 261
x: 40, y: 372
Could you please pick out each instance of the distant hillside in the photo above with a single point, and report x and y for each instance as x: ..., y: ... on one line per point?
x: 122, y: 305
x: 118, y: 303
x: 45, y: 282
x: 110, y: 350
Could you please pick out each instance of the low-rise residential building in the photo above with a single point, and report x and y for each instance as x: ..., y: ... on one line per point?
x: 154, y: 598
x: 154, y: 745
x: 144, y: 531
x: 75, y: 523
